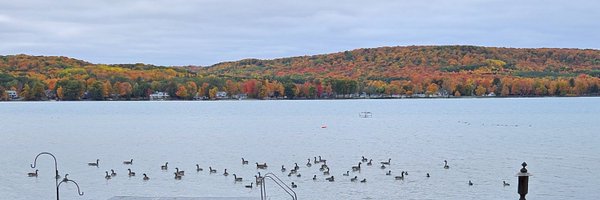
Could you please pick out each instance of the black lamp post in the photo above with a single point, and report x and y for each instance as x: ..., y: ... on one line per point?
x: 523, y: 181
x: 56, y: 177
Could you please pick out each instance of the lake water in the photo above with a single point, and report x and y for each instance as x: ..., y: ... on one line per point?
x: 484, y: 140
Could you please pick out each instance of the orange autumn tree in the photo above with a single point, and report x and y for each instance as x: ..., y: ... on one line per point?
x: 182, y: 92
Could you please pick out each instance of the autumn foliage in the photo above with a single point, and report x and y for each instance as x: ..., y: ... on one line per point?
x: 425, y: 71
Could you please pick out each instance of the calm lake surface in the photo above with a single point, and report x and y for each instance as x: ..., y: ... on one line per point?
x: 484, y: 140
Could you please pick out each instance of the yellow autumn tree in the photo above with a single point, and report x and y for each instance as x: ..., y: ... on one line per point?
x: 192, y: 88
x: 60, y: 93
x: 480, y: 90
x: 432, y: 89
x: 106, y: 89
x: 212, y: 93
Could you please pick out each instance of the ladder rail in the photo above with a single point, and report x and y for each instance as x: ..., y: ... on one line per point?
x: 279, y: 182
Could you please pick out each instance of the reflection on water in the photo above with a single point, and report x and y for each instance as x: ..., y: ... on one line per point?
x: 484, y: 140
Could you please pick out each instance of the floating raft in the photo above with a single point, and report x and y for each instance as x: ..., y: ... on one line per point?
x: 365, y: 114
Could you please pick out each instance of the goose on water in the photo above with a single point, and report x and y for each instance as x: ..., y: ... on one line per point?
x: 237, y: 179
x: 354, y: 179
x: 347, y: 173
x: 164, y: 167
x: 113, y: 173
x: 322, y: 160
x: 130, y: 172
x: 330, y: 179
x: 211, y: 170
x: 294, y: 185
x: 198, y: 168
x: 505, y: 183
x: 261, y: 166
x: 128, y: 162
x: 446, y: 165
x: 257, y: 180
x: 323, y: 167
x: 356, y: 168
x: 386, y: 163
x: 388, y: 173
x: 401, y: 177
x: 181, y: 173
x: 107, y: 175
x: 244, y: 162
x: 146, y: 177
x: 225, y: 173
x: 94, y: 164
x: 248, y: 186
x: 33, y: 174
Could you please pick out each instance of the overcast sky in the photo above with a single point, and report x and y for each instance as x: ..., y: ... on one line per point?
x: 205, y: 32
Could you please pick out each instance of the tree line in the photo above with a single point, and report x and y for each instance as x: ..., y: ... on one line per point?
x: 389, y: 72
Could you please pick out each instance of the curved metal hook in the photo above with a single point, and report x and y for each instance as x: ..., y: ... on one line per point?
x: 55, y: 163
x: 47, y: 153
x: 68, y: 180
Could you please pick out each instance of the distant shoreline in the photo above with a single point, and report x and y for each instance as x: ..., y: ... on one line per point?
x: 301, y: 99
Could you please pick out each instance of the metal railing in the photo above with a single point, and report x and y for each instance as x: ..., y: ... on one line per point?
x: 279, y: 182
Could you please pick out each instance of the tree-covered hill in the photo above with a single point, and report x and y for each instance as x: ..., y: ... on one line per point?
x: 424, y: 71
x: 393, y: 62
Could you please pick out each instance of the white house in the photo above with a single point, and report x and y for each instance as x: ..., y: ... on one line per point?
x: 221, y: 95
x: 12, y: 94
x: 157, y: 96
x: 240, y: 96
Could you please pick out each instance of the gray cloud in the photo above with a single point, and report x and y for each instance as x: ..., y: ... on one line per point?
x: 178, y: 32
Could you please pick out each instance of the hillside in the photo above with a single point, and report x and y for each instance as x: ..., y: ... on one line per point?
x: 398, y: 62
x: 377, y: 72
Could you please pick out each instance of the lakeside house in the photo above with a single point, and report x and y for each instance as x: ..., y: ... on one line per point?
x: 198, y: 97
x: 240, y: 96
x: 221, y: 95
x: 158, y: 96
x: 12, y: 94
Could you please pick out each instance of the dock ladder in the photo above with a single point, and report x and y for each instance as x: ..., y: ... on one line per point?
x: 279, y: 182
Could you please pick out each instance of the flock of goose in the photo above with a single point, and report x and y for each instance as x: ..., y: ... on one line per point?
x: 258, y: 178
